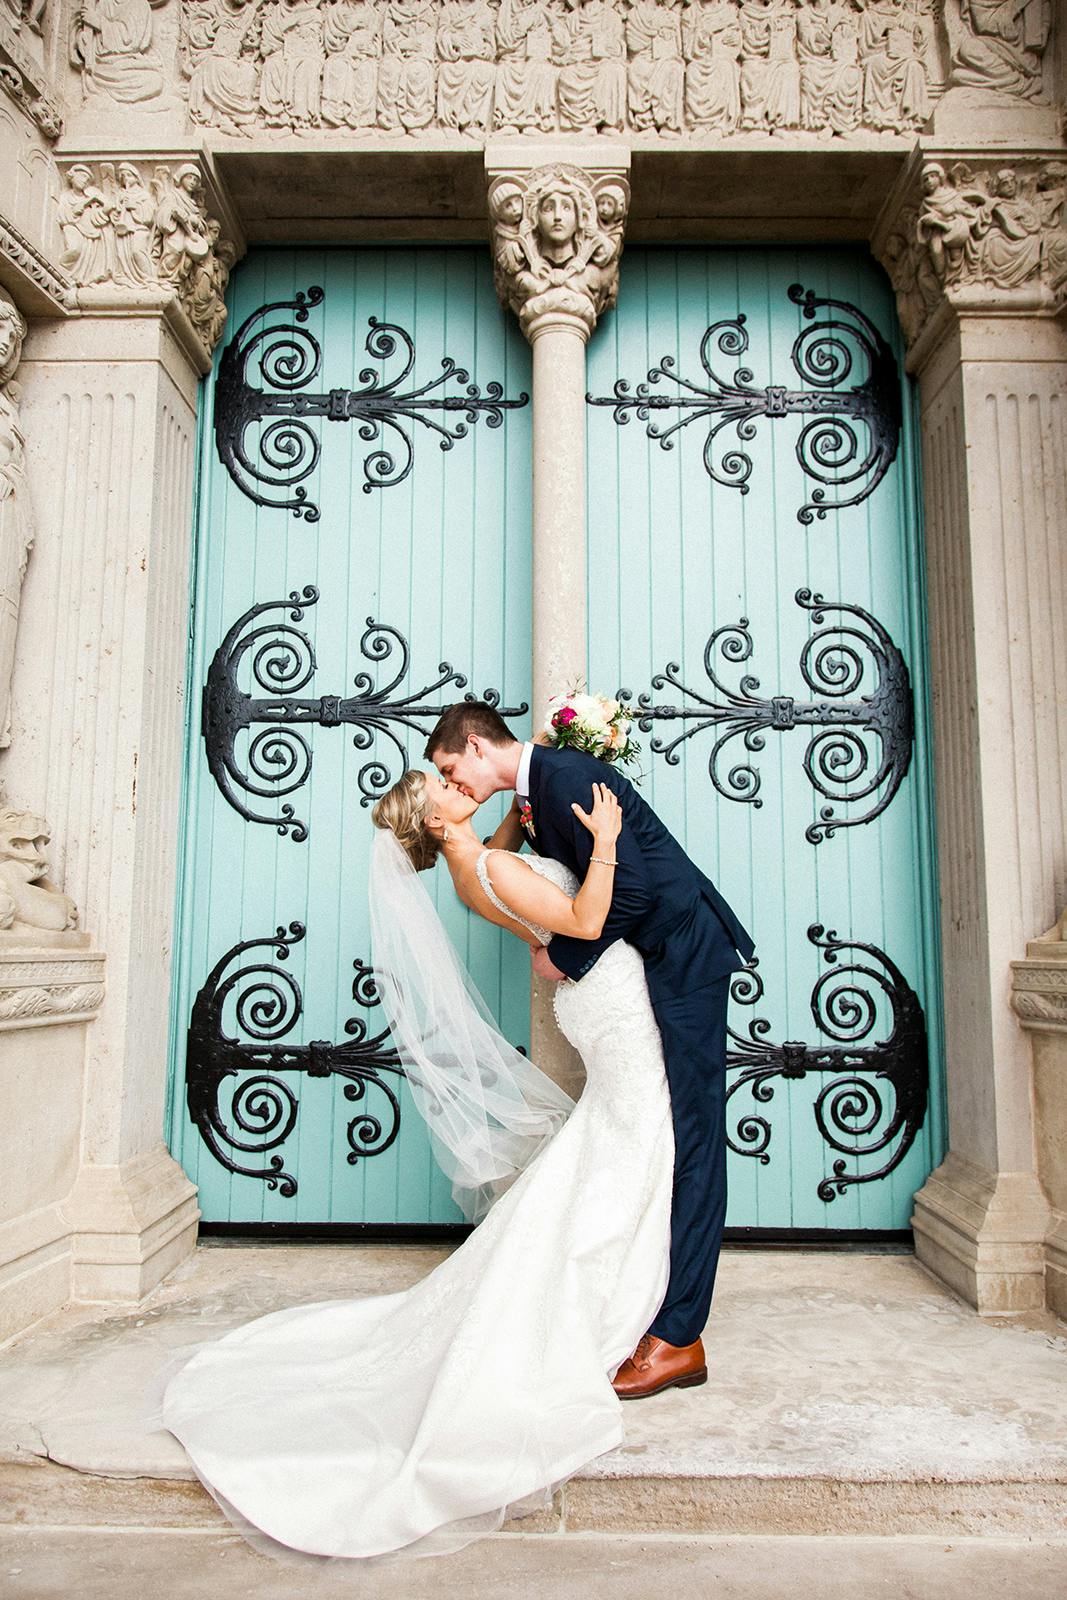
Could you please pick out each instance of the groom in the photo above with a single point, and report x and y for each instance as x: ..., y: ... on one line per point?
x: 691, y: 943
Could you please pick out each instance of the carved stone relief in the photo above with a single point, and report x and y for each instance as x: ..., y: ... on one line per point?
x: 996, y: 228
x: 997, y: 45
x: 16, y: 514
x: 660, y: 67
x: 28, y: 14
x: 147, y: 233
x: 557, y: 238
x: 27, y: 899
x: 22, y: 75
x: 112, y: 45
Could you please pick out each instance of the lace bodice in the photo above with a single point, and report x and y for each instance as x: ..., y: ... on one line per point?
x: 555, y: 871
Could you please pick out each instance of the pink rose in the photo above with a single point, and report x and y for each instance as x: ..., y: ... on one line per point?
x: 563, y: 716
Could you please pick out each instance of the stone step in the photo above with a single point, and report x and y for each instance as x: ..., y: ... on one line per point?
x: 849, y: 1395
x: 42, y: 1494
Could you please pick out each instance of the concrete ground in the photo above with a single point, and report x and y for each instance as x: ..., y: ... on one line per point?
x: 860, y: 1424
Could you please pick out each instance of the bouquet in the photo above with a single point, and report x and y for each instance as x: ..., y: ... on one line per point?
x: 593, y: 723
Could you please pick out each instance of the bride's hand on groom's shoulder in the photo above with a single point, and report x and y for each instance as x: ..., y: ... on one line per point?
x: 604, y: 819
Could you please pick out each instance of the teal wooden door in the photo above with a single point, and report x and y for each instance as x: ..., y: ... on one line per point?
x: 756, y: 580
x: 364, y: 472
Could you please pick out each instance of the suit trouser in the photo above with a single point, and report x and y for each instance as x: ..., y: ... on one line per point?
x: 693, y: 1030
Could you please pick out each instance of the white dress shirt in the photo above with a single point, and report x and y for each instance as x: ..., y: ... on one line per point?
x: 522, y: 777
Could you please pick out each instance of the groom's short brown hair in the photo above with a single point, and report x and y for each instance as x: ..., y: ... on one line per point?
x: 467, y: 716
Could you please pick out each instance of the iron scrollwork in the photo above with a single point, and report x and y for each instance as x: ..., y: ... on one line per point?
x: 289, y: 358
x: 849, y: 1111
x: 829, y: 447
x: 838, y: 762
x: 279, y: 757
x: 263, y: 1104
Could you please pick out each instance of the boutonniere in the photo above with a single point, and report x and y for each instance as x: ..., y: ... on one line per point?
x: 526, y: 818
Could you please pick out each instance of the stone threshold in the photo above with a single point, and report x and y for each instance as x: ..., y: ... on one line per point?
x: 849, y: 1395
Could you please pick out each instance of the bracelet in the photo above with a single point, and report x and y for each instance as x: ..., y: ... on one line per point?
x: 604, y: 862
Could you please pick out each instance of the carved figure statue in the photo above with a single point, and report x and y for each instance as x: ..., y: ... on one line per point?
x: 85, y: 224
x: 770, y: 77
x: 657, y: 72
x: 565, y: 256
x: 1011, y: 250
x: 466, y: 73
x: 712, y: 43
x: 352, y: 37
x: 891, y: 47
x: 406, y: 76
x: 179, y: 223
x: 998, y: 44
x: 16, y: 514
x: 1050, y: 200
x: 831, y: 80
x: 914, y: 280
x: 132, y: 210
x: 590, y: 51
x: 505, y: 218
x: 27, y: 899
x: 950, y: 221
x: 221, y: 38
x: 290, y: 87
x: 111, y: 42
x: 783, y: 70
x: 525, y: 97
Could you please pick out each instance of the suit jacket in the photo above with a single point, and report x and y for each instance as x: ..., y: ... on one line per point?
x: 662, y: 903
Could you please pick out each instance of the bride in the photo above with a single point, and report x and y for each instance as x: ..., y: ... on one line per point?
x: 412, y: 1422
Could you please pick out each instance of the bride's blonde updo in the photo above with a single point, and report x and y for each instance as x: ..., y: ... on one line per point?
x: 403, y: 809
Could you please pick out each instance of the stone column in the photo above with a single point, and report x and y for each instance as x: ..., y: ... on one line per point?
x: 557, y: 228
x: 109, y: 402
x: 977, y: 252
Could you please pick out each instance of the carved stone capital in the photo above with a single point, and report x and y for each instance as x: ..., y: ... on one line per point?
x: 976, y: 231
x: 557, y: 232
x: 1039, y: 984
x: 149, y: 232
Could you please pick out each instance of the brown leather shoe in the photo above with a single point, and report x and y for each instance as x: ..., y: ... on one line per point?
x: 656, y: 1365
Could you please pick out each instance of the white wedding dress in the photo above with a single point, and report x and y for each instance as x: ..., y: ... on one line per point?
x: 413, y: 1422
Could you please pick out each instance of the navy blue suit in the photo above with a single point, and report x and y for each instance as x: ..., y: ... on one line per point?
x: 691, y: 942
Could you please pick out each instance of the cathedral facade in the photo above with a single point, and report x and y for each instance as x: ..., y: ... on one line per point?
x: 359, y: 354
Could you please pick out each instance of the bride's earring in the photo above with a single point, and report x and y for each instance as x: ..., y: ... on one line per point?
x: 444, y: 837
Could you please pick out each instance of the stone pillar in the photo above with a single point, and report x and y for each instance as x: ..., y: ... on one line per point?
x: 557, y: 228
x: 1039, y: 996
x: 109, y: 404
x: 977, y: 254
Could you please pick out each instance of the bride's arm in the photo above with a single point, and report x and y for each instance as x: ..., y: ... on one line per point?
x: 534, y: 897
x: 509, y: 834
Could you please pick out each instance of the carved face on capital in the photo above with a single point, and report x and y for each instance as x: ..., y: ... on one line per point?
x: 1006, y: 184
x: 610, y: 204
x: 22, y: 840
x: 12, y: 333
x: 506, y: 204
x: 557, y: 218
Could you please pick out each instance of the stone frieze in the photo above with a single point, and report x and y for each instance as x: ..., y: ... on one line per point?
x: 670, y: 68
